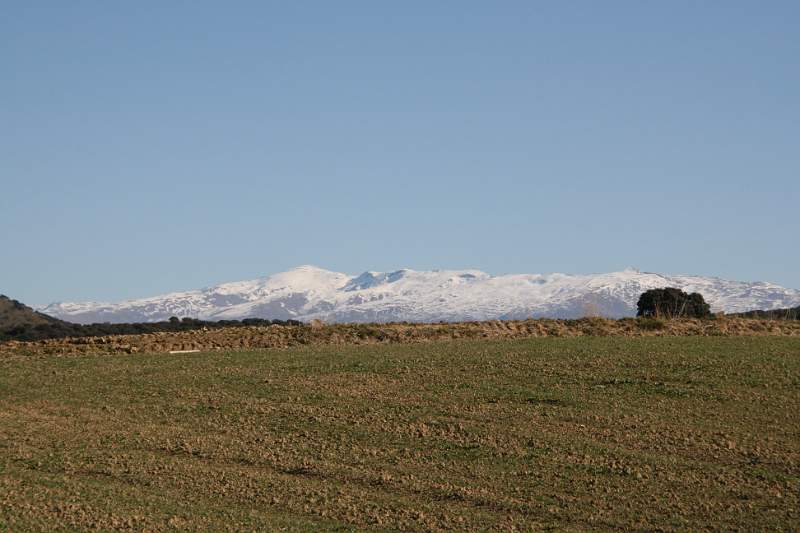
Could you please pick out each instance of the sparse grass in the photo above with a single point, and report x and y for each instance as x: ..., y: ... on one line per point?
x: 564, y: 433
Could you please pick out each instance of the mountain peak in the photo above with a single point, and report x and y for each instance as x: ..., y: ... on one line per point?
x: 307, y: 269
x: 370, y: 279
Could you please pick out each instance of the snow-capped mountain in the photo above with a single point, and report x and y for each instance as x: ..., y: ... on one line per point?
x: 308, y: 292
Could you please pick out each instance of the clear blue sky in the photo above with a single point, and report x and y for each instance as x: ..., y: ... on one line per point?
x: 150, y: 146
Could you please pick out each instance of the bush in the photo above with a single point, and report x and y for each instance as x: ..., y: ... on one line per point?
x: 651, y: 324
x: 672, y: 303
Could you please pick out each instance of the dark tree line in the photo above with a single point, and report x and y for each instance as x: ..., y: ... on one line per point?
x: 56, y: 330
x: 792, y: 313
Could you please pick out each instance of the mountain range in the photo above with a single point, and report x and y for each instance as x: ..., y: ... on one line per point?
x: 308, y: 292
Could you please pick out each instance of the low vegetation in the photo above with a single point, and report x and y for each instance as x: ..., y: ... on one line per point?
x: 282, y: 336
x: 647, y: 433
x: 57, y: 329
x: 792, y: 313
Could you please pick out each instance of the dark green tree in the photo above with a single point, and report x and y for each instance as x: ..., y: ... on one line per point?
x: 672, y: 303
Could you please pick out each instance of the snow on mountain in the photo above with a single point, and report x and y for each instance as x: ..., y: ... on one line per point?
x: 308, y: 292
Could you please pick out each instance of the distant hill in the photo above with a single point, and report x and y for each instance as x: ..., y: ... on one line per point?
x: 14, y: 314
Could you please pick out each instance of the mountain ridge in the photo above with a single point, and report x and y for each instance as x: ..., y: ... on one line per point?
x: 308, y: 292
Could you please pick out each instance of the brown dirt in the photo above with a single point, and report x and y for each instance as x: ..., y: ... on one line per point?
x: 247, y: 338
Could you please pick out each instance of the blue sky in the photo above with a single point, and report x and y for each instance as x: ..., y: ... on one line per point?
x: 155, y: 146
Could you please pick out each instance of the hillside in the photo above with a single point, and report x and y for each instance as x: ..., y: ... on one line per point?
x: 15, y: 314
x: 308, y: 292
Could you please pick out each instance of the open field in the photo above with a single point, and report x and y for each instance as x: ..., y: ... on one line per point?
x: 567, y: 433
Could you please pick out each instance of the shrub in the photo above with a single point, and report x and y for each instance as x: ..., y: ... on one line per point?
x: 651, y: 324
